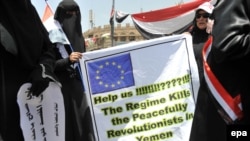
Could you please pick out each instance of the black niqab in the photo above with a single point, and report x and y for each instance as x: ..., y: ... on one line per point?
x: 20, y: 18
x: 71, y: 24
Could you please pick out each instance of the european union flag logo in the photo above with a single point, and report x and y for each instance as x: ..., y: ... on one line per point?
x: 110, y: 73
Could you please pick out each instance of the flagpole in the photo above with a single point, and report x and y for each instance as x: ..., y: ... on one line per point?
x: 112, y: 24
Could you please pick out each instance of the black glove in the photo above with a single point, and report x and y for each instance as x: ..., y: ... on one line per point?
x: 39, y: 84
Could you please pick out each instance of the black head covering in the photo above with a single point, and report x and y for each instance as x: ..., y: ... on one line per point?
x: 199, y: 35
x: 71, y: 23
x: 21, y: 19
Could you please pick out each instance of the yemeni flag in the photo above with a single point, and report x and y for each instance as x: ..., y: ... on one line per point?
x: 112, y: 14
x: 172, y: 20
x: 48, y: 13
x: 54, y: 28
x: 120, y: 16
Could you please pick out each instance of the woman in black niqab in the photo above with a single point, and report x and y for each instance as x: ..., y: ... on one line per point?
x: 22, y: 21
x: 24, y: 49
x: 69, y: 16
x: 77, y: 115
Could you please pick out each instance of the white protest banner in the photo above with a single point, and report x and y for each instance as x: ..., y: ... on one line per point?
x: 142, y: 91
x: 42, y: 117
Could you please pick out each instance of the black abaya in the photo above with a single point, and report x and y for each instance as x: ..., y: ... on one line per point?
x: 20, y: 21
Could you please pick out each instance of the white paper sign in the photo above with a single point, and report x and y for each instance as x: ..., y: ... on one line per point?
x: 42, y: 117
x: 142, y: 91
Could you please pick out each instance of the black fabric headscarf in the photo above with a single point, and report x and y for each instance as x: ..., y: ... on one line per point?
x: 20, y: 18
x: 199, y: 38
x: 71, y: 24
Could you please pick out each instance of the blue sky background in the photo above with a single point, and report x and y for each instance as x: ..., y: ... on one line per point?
x: 102, y: 8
